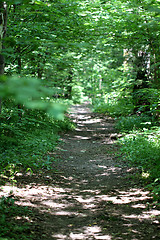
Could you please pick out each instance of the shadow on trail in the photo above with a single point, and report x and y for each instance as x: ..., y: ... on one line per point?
x: 90, y: 197
x: 67, y: 208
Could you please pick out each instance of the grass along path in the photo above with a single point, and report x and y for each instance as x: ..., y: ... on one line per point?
x: 92, y: 195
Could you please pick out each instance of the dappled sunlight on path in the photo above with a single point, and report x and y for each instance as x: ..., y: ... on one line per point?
x: 70, y: 212
x: 92, y: 195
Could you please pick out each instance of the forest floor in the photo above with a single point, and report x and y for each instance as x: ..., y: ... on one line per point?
x: 92, y: 194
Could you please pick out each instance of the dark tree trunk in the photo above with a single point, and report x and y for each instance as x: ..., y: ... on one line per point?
x: 68, y: 94
x: 3, y: 24
x: 141, y: 83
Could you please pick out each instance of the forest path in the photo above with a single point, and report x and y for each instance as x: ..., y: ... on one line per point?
x: 92, y: 196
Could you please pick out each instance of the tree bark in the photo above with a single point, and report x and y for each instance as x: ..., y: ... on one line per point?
x: 3, y: 28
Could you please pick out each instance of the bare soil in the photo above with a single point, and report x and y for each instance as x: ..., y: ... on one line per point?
x: 92, y: 194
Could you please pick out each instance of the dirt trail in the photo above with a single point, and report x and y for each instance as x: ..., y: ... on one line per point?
x: 92, y: 196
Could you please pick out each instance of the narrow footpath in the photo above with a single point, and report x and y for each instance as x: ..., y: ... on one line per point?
x: 93, y: 195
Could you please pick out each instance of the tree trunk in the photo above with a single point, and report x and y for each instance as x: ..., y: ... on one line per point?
x: 3, y: 27
x: 68, y: 94
x: 141, y: 83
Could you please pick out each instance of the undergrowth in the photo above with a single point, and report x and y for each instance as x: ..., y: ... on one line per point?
x: 134, y: 122
x: 14, y: 221
x: 140, y: 145
x: 26, y: 140
x: 113, y: 104
x: 142, y: 148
